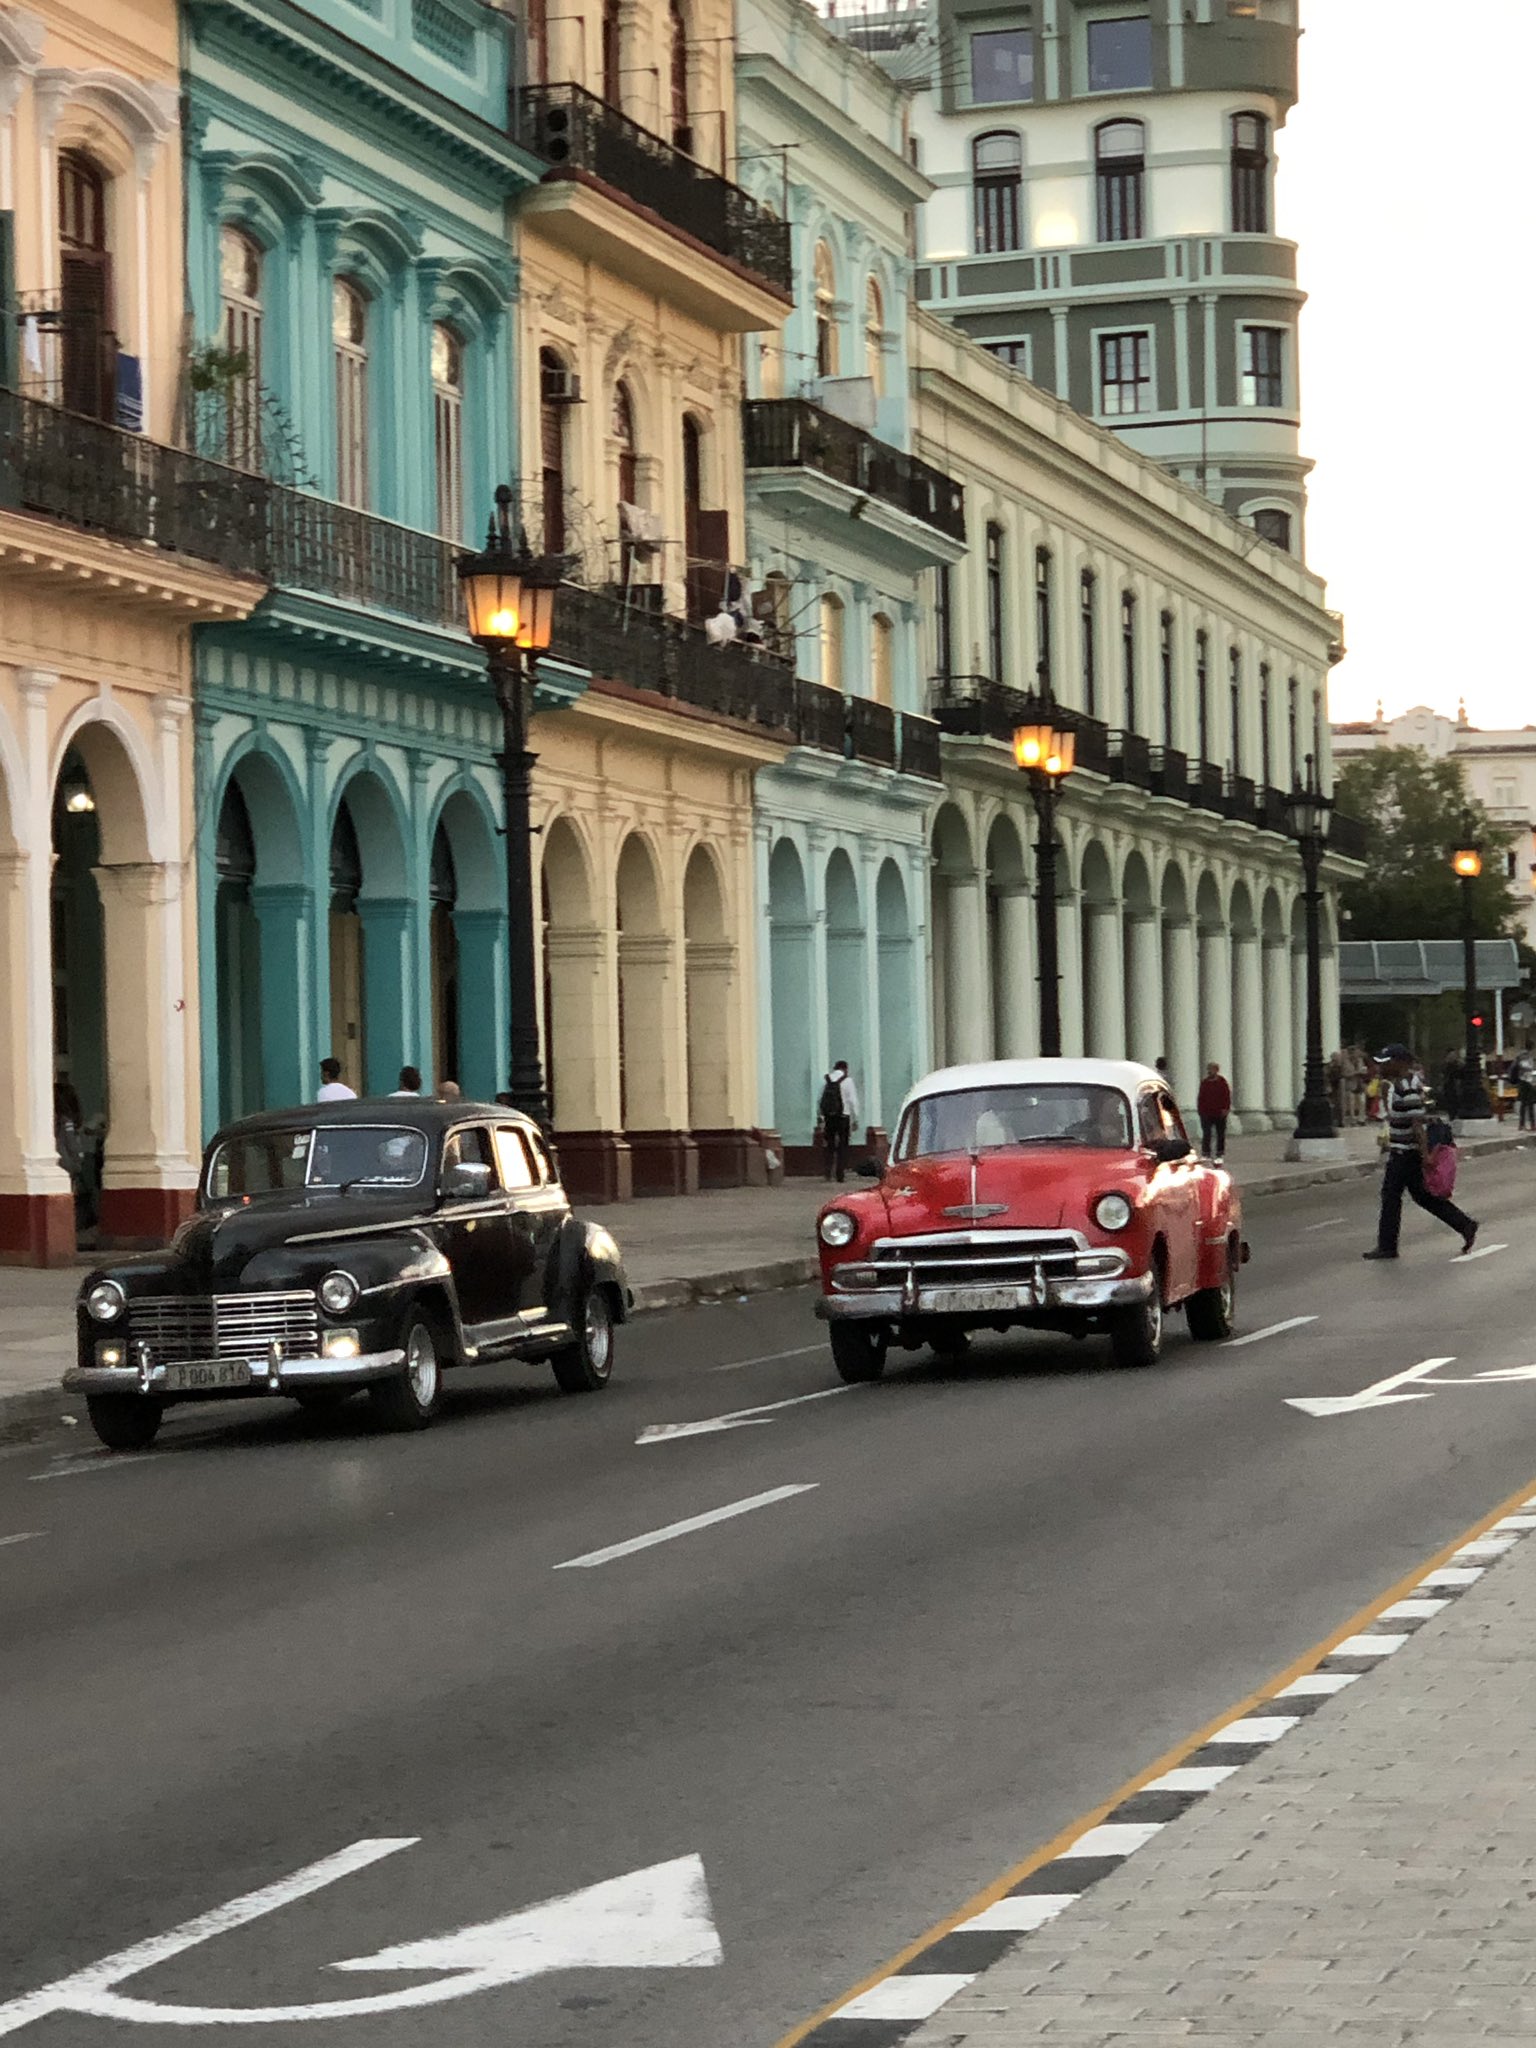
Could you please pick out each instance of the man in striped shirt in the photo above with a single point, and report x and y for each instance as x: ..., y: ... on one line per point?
x: 1407, y: 1117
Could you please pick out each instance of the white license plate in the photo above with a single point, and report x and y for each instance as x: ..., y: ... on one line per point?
x: 202, y: 1379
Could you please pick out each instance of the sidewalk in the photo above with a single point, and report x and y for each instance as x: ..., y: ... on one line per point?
x: 678, y: 1249
x: 1368, y: 1877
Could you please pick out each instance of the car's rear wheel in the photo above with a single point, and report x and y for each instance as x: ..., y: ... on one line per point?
x: 1213, y: 1311
x: 409, y: 1398
x: 1136, y: 1334
x: 858, y: 1351
x: 125, y: 1422
x: 587, y: 1365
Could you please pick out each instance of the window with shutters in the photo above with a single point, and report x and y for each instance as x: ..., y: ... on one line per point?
x: 1250, y: 174
x: 1203, y: 691
x: 1292, y: 738
x: 682, y: 131
x: 1044, y: 623
x: 882, y: 655
x: 1128, y: 659
x: 622, y: 427
x: 240, y: 336
x: 448, y: 429
x: 554, y: 382
x: 88, y: 347
x: 995, y: 601
x: 349, y: 349
x: 1087, y: 601
x: 1121, y: 166
x: 943, y: 620
x: 1266, y: 763
x: 997, y: 188
x: 1165, y: 670
x: 1235, y: 708
x: 825, y: 278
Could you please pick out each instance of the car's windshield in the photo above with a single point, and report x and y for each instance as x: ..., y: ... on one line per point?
x: 317, y: 1156
x: 1016, y: 1113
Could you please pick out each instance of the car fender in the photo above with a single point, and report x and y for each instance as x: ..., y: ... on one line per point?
x: 1220, y: 1228
x: 585, y: 1255
x: 391, y: 1268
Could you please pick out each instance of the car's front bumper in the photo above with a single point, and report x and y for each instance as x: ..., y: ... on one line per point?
x: 1039, y: 1296
x: 280, y: 1376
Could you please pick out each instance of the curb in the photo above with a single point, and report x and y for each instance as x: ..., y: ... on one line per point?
x: 31, y: 1410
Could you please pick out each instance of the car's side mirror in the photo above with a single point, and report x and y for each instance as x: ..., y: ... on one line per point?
x: 1167, y: 1150
x: 869, y: 1169
x: 468, y: 1181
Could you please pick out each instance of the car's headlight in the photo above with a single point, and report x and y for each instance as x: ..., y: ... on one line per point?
x: 838, y: 1228
x: 1112, y: 1212
x: 338, y: 1292
x: 105, y: 1302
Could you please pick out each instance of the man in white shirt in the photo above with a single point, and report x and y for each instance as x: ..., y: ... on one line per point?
x: 332, y: 1086
x: 410, y: 1082
x: 837, y: 1111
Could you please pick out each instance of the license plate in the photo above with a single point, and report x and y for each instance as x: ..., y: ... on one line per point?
x: 201, y: 1379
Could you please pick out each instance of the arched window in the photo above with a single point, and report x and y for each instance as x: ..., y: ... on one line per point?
x: 1165, y: 667
x: 832, y: 641
x: 87, y: 369
x: 997, y: 173
x: 1044, y: 625
x: 874, y: 337
x: 1250, y: 174
x: 994, y: 601
x: 554, y: 387
x: 1088, y: 622
x: 448, y: 429
x: 613, y: 81
x: 825, y: 277
x: 1120, y: 150
x: 1272, y: 523
x: 349, y: 348
x: 882, y: 659
x: 682, y: 132
x: 240, y: 336
x: 1128, y: 659
x: 622, y: 427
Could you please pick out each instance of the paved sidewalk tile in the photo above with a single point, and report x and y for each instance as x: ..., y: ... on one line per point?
x: 1370, y: 1879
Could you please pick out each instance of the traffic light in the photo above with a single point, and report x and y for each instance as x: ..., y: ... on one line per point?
x: 1478, y: 1022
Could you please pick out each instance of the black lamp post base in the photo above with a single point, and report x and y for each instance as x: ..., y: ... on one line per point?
x: 1315, y: 1136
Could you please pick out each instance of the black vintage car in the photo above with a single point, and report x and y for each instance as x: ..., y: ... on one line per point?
x: 352, y: 1244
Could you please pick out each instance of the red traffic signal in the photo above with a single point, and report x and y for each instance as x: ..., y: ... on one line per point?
x: 1478, y: 1022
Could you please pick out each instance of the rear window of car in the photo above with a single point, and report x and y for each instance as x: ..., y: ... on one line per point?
x: 316, y: 1156
x: 994, y: 1118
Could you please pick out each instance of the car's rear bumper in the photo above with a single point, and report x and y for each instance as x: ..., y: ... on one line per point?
x: 1039, y: 1296
x: 287, y: 1376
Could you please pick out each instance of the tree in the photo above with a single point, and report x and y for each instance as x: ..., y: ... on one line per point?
x: 1417, y: 810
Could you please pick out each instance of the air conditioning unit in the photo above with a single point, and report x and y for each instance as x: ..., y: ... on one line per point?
x: 559, y: 386
x: 552, y: 133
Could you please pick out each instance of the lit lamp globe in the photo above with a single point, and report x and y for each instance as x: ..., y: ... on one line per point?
x: 1045, y: 750
x: 1468, y: 862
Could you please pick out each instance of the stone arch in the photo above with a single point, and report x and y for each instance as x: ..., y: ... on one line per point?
x: 373, y: 920
x: 709, y: 986
x: 847, y: 968
x: 262, y: 907
x: 897, y: 1023
x: 1181, y: 986
x: 1103, y: 953
x: 791, y: 991
x: 467, y: 892
x: 133, y: 824
x: 645, y: 967
x: 580, y: 1061
x: 1249, y: 1085
x: 1010, y: 943
x: 1214, y: 946
x: 961, y: 1019
x: 1145, y: 1038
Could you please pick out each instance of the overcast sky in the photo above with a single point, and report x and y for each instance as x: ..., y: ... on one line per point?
x: 1403, y: 175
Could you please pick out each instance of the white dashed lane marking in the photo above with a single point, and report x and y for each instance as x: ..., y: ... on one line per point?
x: 26, y: 1536
x: 687, y: 1528
x: 1274, y: 1330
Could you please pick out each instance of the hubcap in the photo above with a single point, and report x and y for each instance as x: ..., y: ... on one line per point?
x: 1155, y: 1317
x: 421, y: 1366
x: 599, y: 1332
x: 1228, y: 1295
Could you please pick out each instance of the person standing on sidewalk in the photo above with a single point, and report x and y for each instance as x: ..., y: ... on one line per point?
x: 1407, y: 1118
x: 332, y: 1086
x: 837, y: 1112
x: 1523, y: 1073
x: 1214, y: 1104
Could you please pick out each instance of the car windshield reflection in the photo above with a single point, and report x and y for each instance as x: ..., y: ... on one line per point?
x: 340, y: 1157
x: 1001, y: 1117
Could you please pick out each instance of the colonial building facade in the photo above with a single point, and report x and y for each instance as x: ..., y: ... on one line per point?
x: 1194, y: 667
x: 843, y: 526
x: 113, y: 546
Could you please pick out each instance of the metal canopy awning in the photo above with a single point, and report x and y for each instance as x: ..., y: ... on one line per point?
x: 1371, y: 970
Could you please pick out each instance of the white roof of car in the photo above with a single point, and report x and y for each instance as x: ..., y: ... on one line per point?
x: 1127, y: 1075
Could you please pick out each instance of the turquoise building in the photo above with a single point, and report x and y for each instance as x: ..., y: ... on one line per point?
x: 352, y: 293
x: 847, y: 534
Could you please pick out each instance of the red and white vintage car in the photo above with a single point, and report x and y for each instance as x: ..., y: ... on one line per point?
x: 1041, y: 1194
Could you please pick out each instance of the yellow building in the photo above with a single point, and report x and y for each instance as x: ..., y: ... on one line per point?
x: 112, y: 546
x: 642, y: 267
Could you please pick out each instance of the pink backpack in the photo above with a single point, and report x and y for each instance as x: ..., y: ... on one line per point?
x: 1440, y: 1171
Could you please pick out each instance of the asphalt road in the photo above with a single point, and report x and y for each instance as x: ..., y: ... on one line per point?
x: 1008, y: 1584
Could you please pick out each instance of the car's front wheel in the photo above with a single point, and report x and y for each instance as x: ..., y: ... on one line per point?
x: 586, y: 1365
x: 125, y: 1422
x: 858, y: 1351
x: 1213, y: 1311
x: 409, y: 1398
x: 1136, y: 1334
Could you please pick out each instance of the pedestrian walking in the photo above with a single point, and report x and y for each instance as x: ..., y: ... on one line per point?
x: 1525, y: 1088
x: 410, y: 1082
x: 1214, y: 1105
x: 332, y: 1086
x: 1407, y: 1149
x: 837, y: 1112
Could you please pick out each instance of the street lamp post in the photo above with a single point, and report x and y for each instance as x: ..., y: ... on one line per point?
x: 1311, y: 815
x: 509, y: 602
x: 1467, y: 862
x: 1047, y: 754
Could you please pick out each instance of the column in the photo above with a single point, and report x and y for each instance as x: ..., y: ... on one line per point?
x: 710, y: 969
x: 285, y: 916
x: 481, y: 936
x: 761, y: 849
x: 1248, y: 1087
x: 1332, y: 1030
x: 1299, y: 1013
x: 1281, y: 1091
x: 872, y: 1082
x: 1181, y: 1007
x: 967, y: 991
x: 1145, y: 1035
x: 389, y: 952
x: 14, y: 966
x: 1018, y: 1012
x: 1106, y: 982
x: 1216, y: 998
x: 1069, y: 943
x: 664, y: 1159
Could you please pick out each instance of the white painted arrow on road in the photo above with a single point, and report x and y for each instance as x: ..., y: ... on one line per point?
x: 657, y: 1918
x: 739, y: 1418
x: 1381, y: 1395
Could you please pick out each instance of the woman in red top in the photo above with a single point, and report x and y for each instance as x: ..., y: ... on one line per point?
x: 1214, y: 1103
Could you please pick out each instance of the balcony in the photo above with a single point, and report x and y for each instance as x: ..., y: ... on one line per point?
x: 1207, y: 786
x: 791, y: 434
x: 1170, y: 773
x: 1348, y: 837
x: 1130, y: 759
x: 821, y: 717
x: 920, y: 746
x: 872, y: 732
x: 589, y: 144
x: 100, y: 480
x: 1240, y: 799
x: 336, y: 551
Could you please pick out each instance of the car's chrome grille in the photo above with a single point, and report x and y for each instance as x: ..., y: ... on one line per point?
x: 182, y: 1328
x: 971, y: 1256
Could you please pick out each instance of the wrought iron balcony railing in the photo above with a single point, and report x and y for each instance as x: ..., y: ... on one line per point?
x: 821, y: 717
x: 101, y: 480
x: 336, y: 551
x: 872, y: 732
x: 920, y: 746
x: 572, y: 129
x: 1348, y: 836
x: 791, y: 433
x: 668, y: 657
x: 1240, y: 799
x: 1207, y: 786
x: 1170, y: 773
x: 1130, y: 759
